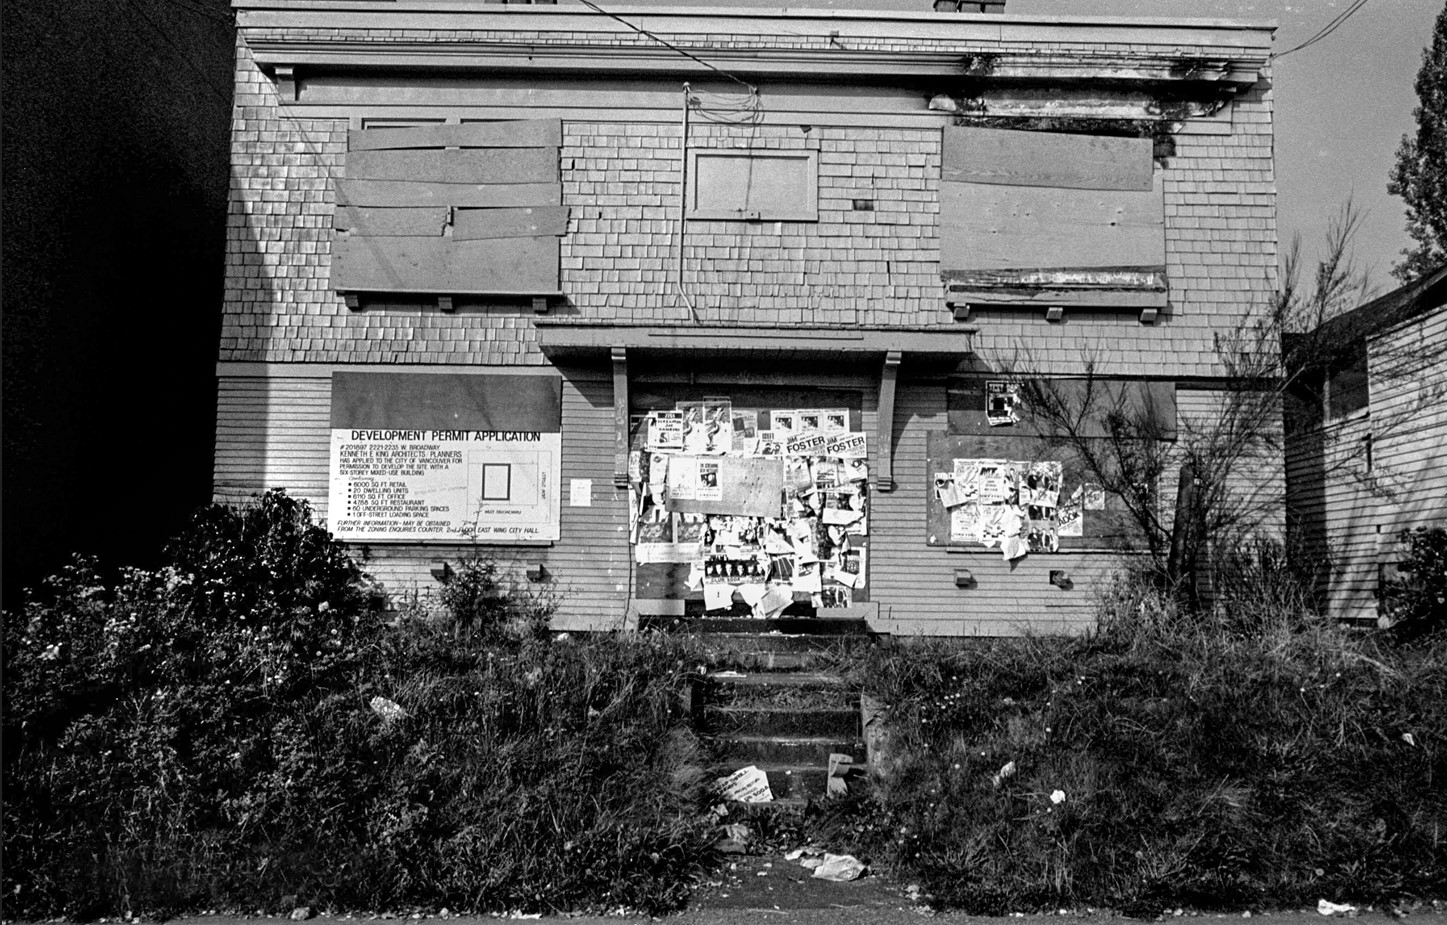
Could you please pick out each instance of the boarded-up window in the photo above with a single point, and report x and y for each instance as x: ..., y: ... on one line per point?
x: 451, y: 209
x: 753, y: 185
x: 1027, y: 217
x: 1085, y: 515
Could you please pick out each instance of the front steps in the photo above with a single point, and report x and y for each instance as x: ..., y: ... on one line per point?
x: 773, y: 701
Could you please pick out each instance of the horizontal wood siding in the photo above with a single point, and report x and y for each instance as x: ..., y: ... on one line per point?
x: 272, y: 433
x: 1408, y: 367
x: 588, y: 569
x: 913, y: 582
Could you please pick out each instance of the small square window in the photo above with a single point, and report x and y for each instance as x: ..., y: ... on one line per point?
x: 728, y: 184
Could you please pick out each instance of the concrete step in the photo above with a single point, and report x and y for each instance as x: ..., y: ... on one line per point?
x: 788, y: 626
x: 791, y: 750
x: 779, y: 689
x: 764, y: 719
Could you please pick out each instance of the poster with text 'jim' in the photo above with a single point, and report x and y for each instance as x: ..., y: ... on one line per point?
x: 443, y: 456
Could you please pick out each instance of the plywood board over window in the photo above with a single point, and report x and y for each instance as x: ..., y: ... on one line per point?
x: 1068, y: 219
x: 1089, y: 404
x: 451, y: 210
x: 729, y: 184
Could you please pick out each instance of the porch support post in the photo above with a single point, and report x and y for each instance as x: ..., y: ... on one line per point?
x: 884, y: 422
x: 620, y: 417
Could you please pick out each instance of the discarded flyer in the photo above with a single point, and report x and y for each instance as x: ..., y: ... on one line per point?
x: 746, y: 785
x: 840, y: 868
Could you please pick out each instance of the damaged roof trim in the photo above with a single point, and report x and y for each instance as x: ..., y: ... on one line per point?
x: 1128, y: 70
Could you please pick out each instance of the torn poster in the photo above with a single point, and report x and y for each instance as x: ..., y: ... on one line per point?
x: 847, y: 445
x: 708, y: 425
x: 1040, y: 532
x: 1001, y: 401
x: 746, y: 424
x: 1069, y: 516
x: 776, y: 598
x: 665, y: 430
x: 997, y: 481
x: 717, y: 595
x: 807, y: 443
x: 856, y: 470
x: 805, y: 536
x: 770, y: 444
x: 850, y: 570
x: 1040, y: 484
x: 966, y: 523
x: 708, y: 487
x: 1094, y: 497
x: 948, y: 491
x: 807, y: 577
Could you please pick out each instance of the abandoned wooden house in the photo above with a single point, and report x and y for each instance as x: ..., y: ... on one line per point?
x: 677, y: 311
x: 1365, y: 439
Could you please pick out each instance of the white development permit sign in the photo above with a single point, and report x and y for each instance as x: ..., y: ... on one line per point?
x: 398, y: 483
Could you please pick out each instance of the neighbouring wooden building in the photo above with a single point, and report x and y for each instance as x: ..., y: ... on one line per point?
x: 684, y: 309
x: 1366, y: 440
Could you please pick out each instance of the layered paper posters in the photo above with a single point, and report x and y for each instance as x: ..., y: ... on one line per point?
x: 1002, y: 399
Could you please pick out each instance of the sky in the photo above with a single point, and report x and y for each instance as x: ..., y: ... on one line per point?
x: 1342, y: 105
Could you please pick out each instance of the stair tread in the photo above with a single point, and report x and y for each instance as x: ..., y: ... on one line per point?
x: 791, y: 739
x: 782, y: 767
x: 779, y: 678
x: 774, y: 708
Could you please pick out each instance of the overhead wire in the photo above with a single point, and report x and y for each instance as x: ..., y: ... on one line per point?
x: 1326, y: 30
x: 669, y: 45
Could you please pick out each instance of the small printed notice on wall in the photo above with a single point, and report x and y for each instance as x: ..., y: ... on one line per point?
x: 399, y: 472
x: 580, y: 493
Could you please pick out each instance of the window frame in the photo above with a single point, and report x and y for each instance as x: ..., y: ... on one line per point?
x: 697, y: 212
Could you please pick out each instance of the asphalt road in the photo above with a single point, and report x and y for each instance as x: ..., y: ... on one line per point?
x: 754, y: 889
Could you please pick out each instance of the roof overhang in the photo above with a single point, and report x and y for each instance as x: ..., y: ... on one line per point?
x: 562, y: 339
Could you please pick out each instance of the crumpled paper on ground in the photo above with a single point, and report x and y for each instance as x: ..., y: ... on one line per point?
x: 839, y: 868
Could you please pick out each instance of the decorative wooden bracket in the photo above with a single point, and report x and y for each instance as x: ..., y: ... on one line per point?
x: 444, y: 303
x: 286, y: 82
x: 1055, y: 313
x: 620, y: 417
x: 1149, y: 315
x: 884, y: 422
x: 353, y: 300
x: 540, y: 304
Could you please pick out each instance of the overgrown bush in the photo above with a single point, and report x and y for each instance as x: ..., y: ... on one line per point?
x: 1414, y: 605
x: 246, y: 724
x: 1165, y: 761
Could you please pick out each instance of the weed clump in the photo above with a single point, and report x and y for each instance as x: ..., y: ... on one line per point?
x: 247, y: 723
x: 1164, y: 761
